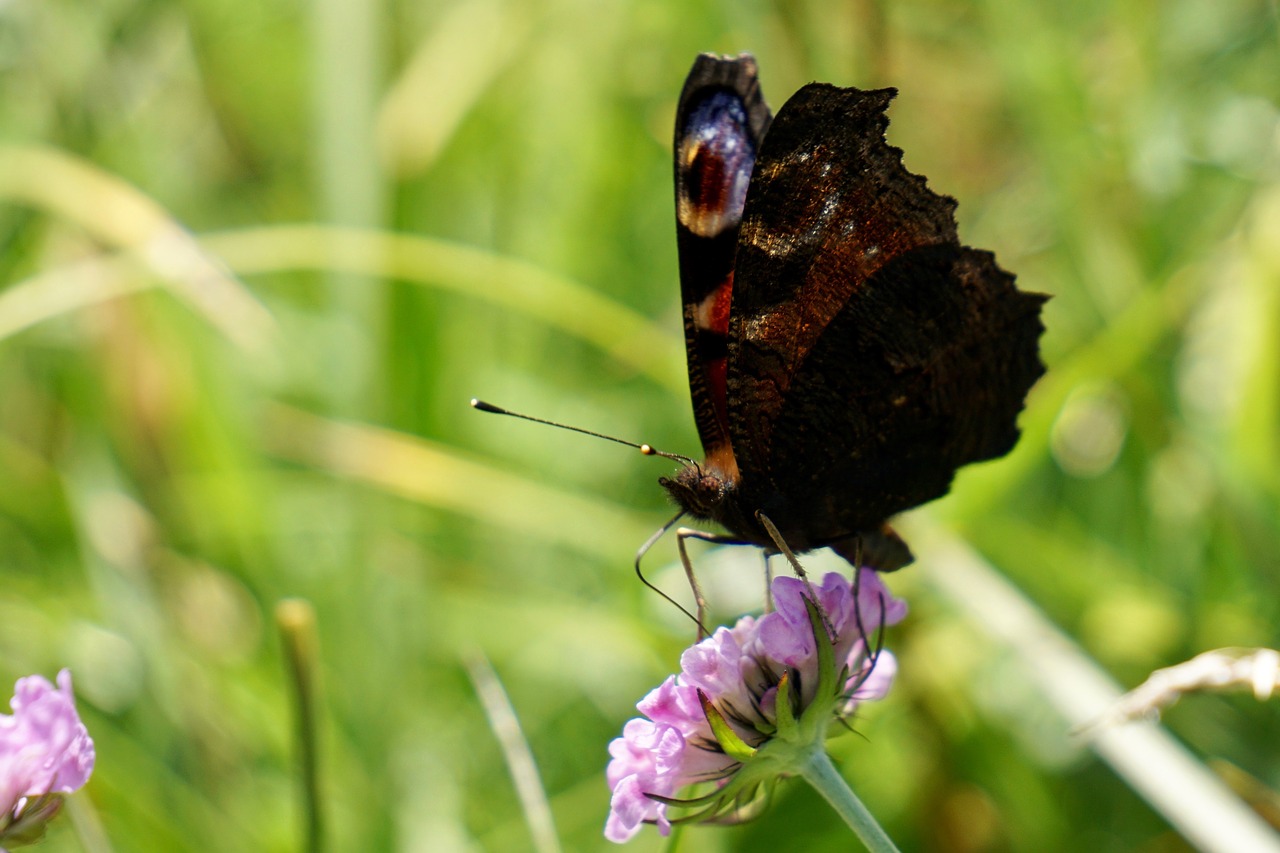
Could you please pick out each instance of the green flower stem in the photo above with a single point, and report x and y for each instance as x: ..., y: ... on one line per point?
x: 819, y: 772
x: 296, y: 621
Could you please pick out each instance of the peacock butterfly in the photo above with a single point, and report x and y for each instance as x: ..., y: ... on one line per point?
x: 846, y: 353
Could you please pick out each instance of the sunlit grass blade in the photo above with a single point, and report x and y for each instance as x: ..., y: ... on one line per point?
x: 121, y: 216
x: 1258, y: 420
x: 436, y: 476
x: 349, y: 46
x: 513, y: 284
x: 69, y: 288
x: 518, y: 286
x: 88, y: 824
x: 515, y: 749
x: 449, y: 72
x: 1159, y: 769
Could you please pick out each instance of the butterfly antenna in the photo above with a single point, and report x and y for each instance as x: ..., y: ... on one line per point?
x: 646, y: 449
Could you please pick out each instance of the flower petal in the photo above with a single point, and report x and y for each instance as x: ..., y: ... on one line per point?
x: 44, y: 748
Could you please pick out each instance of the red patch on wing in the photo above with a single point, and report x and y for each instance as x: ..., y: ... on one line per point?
x: 719, y: 319
x: 717, y: 323
x: 710, y: 189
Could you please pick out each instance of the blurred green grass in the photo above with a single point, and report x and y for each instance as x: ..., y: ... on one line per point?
x: 386, y: 209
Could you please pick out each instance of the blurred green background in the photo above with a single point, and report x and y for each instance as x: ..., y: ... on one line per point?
x: 258, y: 255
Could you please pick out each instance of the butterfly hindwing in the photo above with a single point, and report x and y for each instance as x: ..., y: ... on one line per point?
x: 869, y: 354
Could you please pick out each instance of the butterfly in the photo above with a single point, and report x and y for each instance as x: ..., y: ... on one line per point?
x: 846, y: 353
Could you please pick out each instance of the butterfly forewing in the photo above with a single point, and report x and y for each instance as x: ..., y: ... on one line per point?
x: 720, y: 122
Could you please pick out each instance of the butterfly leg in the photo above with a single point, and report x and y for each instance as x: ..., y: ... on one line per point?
x: 871, y: 649
x: 699, y: 599
x: 853, y: 553
x: 785, y: 550
x: 768, y: 582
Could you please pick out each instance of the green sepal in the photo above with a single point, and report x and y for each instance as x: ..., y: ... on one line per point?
x: 717, y: 794
x: 737, y: 803
x: 788, y: 728
x: 31, y: 825
x: 766, y: 728
x: 733, y: 746
x: 746, y: 806
x: 826, y: 691
x: 686, y: 802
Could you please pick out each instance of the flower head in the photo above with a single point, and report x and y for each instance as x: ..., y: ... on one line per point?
x: 749, y: 700
x: 45, y: 752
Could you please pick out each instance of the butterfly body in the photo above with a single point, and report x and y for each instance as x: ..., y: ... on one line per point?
x: 846, y: 353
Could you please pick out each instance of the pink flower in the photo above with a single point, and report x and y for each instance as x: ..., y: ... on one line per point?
x: 45, y: 751
x: 719, y: 715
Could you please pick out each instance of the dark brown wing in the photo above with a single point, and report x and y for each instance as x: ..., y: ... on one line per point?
x: 869, y: 354
x: 720, y: 121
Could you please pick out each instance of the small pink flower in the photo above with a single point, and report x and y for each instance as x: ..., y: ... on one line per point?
x: 45, y: 751
x: 719, y: 715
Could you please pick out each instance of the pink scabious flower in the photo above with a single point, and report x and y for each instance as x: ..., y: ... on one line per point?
x: 749, y: 702
x: 45, y: 752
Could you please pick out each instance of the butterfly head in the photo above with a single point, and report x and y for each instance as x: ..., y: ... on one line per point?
x: 700, y: 490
